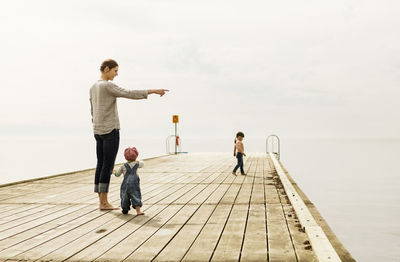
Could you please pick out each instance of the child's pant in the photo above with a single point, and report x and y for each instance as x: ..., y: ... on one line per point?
x: 130, y: 192
x: 239, y: 157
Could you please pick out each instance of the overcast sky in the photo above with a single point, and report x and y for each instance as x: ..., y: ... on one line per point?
x: 296, y: 68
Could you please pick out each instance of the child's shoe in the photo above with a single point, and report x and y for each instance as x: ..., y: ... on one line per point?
x: 124, y: 211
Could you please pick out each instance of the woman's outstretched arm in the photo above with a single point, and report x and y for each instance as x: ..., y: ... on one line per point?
x: 117, y: 91
x: 160, y: 92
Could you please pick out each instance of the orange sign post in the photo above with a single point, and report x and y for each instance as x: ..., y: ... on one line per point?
x: 175, y: 120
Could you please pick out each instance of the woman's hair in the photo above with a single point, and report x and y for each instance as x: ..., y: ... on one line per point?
x: 108, y: 63
x: 239, y: 134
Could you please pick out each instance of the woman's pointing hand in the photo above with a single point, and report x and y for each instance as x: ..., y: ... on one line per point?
x: 160, y: 92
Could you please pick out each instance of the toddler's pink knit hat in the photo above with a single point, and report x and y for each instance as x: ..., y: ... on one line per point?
x: 131, y: 154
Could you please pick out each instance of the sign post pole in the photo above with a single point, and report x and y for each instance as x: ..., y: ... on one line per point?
x: 175, y: 120
x: 176, y: 147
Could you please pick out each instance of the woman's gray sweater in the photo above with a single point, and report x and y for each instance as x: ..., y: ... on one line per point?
x: 103, y: 105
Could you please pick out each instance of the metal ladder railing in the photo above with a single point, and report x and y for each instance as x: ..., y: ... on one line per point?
x: 274, y: 138
x: 177, y: 146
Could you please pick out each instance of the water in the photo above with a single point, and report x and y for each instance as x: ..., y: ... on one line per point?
x: 354, y: 183
x: 26, y: 157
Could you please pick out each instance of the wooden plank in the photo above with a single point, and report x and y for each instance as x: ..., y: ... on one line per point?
x: 280, y: 245
x: 125, y: 247
x: 244, y: 194
x: 255, y: 240
x: 177, y: 248
x: 253, y: 165
x: 28, y: 244
x: 228, y: 247
x: 221, y: 178
x: 271, y: 195
x: 49, y: 194
x: 58, y: 242
x: 167, y: 192
x: 57, y: 195
x: 300, y: 240
x: 25, y: 223
x: 323, y: 249
x: 17, y: 191
x: 231, y: 194
x: 82, y: 242
x: 258, y: 194
x: 203, y: 246
x: 199, y: 177
x: 255, y: 246
x: 178, y: 193
x: 229, y: 179
x: 298, y: 236
x: 228, y: 197
x: 239, y: 179
x: 216, y: 196
x: 190, y: 194
x: 211, y: 178
x: 157, y: 241
x: 52, y: 224
x: 204, y: 195
x: 96, y: 249
x: 20, y: 213
x: 159, y: 191
x: 11, y: 209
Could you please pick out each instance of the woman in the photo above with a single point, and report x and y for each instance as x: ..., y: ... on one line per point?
x: 103, y: 102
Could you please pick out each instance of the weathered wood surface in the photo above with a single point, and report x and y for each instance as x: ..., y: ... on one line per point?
x: 196, y: 210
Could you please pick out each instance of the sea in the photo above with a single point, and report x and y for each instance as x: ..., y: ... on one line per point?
x: 354, y: 182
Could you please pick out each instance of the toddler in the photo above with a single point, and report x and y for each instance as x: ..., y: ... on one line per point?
x: 239, y: 148
x: 130, y: 187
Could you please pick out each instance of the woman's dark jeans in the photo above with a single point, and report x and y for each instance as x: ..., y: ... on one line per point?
x: 239, y: 157
x: 106, y: 149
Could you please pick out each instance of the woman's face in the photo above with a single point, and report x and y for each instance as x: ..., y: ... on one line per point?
x: 110, y: 73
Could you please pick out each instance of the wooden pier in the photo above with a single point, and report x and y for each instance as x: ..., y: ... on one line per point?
x: 195, y: 210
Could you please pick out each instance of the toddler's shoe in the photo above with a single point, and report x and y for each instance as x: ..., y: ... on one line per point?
x: 124, y: 211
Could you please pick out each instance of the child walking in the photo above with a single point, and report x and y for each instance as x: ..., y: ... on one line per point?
x: 130, y: 187
x: 238, y: 151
